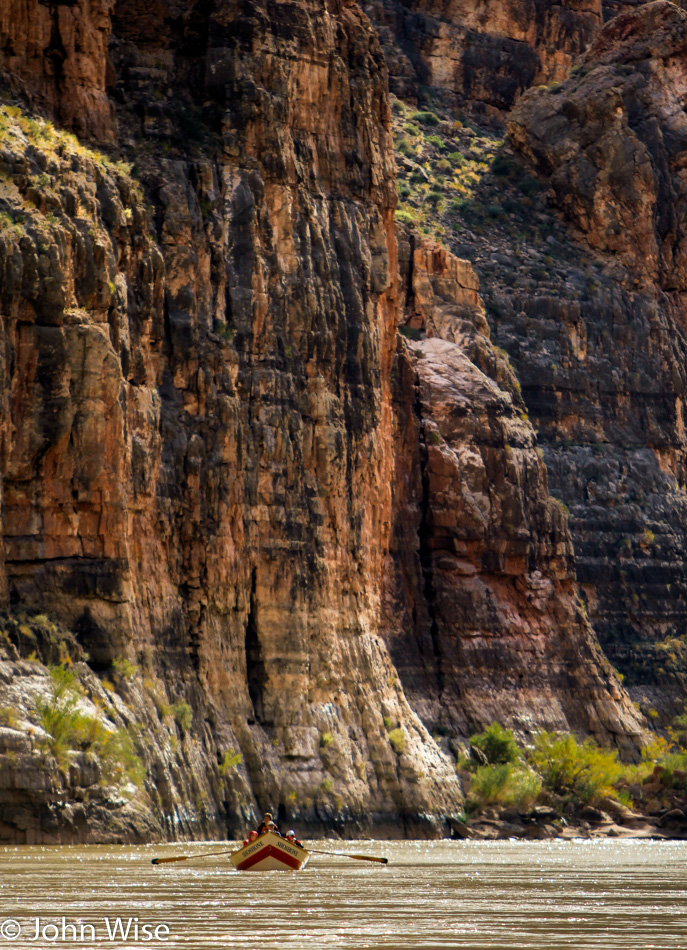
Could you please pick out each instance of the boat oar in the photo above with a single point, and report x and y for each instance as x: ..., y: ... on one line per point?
x: 190, y: 857
x: 356, y: 857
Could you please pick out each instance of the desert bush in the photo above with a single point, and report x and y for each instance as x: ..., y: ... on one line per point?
x: 230, y: 760
x: 124, y: 668
x: 426, y: 118
x: 405, y: 216
x: 504, y: 784
x: 9, y: 716
x: 567, y: 766
x: 498, y: 744
x: 436, y: 141
x: 69, y: 728
x: 183, y: 715
x: 397, y: 738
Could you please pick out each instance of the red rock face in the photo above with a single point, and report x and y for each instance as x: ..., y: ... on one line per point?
x: 482, y: 51
x: 58, y: 53
x: 611, y: 166
x: 201, y: 452
x: 482, y: 611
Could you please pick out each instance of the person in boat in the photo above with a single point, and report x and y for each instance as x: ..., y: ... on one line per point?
x: 268, y: 825
x: 250, y: 839
x: 291, y: 836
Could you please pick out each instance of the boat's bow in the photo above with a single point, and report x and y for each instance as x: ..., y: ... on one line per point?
x: 270, y: 852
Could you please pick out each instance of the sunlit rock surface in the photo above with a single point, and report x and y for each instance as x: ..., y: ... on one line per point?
x: 220, y: 463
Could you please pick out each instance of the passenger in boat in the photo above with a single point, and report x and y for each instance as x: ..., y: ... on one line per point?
x: 268, y: 825
x: 291, y: 836
x: 250, y: 839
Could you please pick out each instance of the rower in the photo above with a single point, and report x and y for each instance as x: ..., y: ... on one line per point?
x: 268, y: 825
x: 291, y: 836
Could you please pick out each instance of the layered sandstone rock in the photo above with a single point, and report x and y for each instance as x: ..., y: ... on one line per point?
x: 604, y: 374
x: 484, y: 52
x: 57, y: 54
x: 211, y: 467
x: 200, y: 456
x: 482, y: 606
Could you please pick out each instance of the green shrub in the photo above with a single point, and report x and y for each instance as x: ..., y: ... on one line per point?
x: 124, y: 668
x: 436, y: 141
x: 405, y: 216
x: 59, y: 715
x: 326, y: 740
x: 443, y: 166
x: 230, y: 760
x: 9, y: 716
x: 183, y: 715
x: 498, y: 744
x: 457, y: 158
x: 411, y: 129
x: 403, y: 188
x: 674, y: 770
x: 405, y: 147
x: 426, y: 118
x: 397, y: 738
x: 69, y: 728
x: 504, y: 784
x: 566, y: 766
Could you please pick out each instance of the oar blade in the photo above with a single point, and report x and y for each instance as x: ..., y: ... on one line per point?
x: 167, y: 860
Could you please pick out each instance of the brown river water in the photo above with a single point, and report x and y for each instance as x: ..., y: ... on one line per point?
x: 610, y: 894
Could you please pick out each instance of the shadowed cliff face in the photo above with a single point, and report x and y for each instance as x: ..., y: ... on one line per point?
x: 611, y: 145
x: 56, y: 54
x: 216, y: 462
x: 200, y: 462
x: 484, y: 54
x: 481, y: 605
x: 481, y: 51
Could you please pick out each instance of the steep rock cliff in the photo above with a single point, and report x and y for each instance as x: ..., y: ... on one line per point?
x: 610, y: 144
x: 482, y: 609
x: 483, y: 52
x: 200, y: 456
x: 203, y: 399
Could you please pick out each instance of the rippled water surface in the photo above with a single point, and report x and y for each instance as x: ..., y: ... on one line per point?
x: 615, y: 895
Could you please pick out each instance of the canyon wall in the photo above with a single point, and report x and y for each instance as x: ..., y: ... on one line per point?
x: 483, y: 54
x: 482, y: 612
x: 266, y: 524
x: 610, y: 145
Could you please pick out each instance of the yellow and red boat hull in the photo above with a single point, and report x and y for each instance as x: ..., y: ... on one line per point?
x: 270, y: 852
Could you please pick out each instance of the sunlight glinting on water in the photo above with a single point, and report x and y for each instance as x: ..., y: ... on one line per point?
x: 601, y: 895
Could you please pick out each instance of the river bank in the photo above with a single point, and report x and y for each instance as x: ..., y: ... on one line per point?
x: 542, y: 823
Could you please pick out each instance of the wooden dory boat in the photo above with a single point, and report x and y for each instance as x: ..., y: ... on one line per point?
x: 270, y: 852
